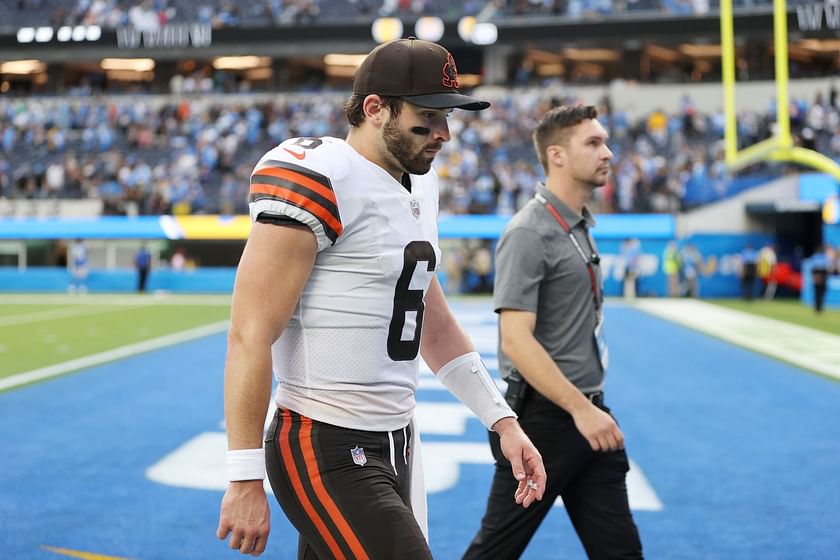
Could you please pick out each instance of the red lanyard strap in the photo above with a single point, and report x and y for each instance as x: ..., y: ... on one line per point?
x: 596, y: 292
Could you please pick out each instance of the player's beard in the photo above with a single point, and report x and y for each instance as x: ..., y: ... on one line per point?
x: 401, y: 145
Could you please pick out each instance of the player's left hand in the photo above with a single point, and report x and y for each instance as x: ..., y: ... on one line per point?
x: 525, y: 461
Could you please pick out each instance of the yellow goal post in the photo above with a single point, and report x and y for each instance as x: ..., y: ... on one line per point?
x: 780, y: 146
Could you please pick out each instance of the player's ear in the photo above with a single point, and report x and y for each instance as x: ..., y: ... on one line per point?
x: 375, y: 111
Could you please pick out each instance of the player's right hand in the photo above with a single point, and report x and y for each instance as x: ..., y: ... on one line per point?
x: 599, y: 429
x: 245, y: 517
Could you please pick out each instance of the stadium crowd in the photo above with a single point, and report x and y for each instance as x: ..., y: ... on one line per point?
x: 194, y: 154
x: 151, y: 14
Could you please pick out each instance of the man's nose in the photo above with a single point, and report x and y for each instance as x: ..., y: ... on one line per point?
x: 440, y: 133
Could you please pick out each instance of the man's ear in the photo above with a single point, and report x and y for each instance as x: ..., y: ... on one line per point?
x: 556, y: 154
x: 375, y: 111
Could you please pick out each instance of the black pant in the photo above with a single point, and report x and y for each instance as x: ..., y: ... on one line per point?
x: 820, y: 279
x: 748, y: 281
x: 592, y: 485
x: 347, y: 492
x: 142, y: 276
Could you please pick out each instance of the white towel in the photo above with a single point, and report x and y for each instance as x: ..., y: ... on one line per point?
x: 418, y: 487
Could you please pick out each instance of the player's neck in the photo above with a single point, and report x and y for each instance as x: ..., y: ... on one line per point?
x: 359, y: 141
x: 570, y: 192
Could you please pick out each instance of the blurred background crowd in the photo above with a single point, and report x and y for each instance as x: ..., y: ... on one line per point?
x: 193, y: 154
x: 151, y: 14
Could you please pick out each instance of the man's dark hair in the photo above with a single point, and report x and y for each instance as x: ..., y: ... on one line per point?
x: 355, y: 112
x: 554, y: 127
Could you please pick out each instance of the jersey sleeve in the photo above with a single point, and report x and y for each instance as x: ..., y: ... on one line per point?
x: 282, y: 188
x: 520, y: 268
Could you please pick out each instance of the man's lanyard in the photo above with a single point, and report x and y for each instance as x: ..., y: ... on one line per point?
x: 596, y: 291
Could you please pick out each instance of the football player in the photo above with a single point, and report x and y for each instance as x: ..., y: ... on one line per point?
x: 336, y: 292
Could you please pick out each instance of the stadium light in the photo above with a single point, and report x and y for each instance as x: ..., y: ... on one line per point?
x: 43, y: 34
x: 429, y: 28
x: 485, y: 34
x: 240, y: 62
x: 79, y: 33
x: 700, y: 51
x: 344, y: 72
x: 26, y: 34
x: 386, y: 29
x: 336, y: 59
x: 64, y: 33
x: 22, y: 67
x: 466, y: 26
x: 592, y: 55
x: 93, y: 33
x: 128, y: 64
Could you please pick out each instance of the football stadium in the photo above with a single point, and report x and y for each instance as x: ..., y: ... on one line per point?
x: 130, y: 131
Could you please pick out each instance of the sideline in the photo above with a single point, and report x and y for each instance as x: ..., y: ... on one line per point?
x: 807, y: 348
x: 111, y: 355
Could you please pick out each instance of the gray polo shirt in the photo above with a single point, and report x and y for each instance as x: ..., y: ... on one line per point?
x: 539, y: 269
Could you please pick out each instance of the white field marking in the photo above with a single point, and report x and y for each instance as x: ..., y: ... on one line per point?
x: 61, y: 313
x: 157, y: 298
x: 111, y: 355
x: 807, y: 348
x: 640, y: 493
x: 200, y: 462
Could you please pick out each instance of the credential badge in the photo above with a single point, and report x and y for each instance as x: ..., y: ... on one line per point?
x: 415, y: 208
x: 358, y: 454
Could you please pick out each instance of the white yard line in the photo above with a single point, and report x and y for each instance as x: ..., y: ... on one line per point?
x: 111, y: 355
x: 807, y: 348
x: 61, y: 313
x: 115, y: 299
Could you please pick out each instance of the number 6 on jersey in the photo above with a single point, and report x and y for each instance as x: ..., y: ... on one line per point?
x: 408, y: 301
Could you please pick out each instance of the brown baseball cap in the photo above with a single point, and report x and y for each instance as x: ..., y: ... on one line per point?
x: 420, y: 72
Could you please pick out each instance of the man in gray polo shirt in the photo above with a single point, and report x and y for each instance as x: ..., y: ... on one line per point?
x: 550, y: 304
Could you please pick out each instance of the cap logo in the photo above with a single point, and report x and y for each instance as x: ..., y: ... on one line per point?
x: 450, y: 73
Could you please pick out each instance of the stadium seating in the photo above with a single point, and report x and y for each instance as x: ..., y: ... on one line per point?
x: 242, y: 13
x: 183, y: 154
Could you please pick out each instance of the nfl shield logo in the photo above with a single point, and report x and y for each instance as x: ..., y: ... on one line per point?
x: 358, y: 454
x: 415, y: 208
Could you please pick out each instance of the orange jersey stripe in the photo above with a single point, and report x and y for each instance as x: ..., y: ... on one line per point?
x: 300, y: 179
x: 323, y: 494
x: 286, y: 450
x: 302, y: 200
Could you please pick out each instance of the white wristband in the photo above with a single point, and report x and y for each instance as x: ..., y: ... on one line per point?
x: 246, y: 464
x: 467, y: 378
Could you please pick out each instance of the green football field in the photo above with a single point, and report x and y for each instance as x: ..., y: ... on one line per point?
x: 789, y: 310
x: 42, y: 330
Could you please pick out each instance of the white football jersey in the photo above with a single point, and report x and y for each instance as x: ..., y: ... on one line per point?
x: 349, y: 355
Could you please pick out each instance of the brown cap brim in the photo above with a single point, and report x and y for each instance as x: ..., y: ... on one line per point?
x: 447, y: 101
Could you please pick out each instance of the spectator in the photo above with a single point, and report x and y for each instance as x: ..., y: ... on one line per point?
x: 671, y: 268
x: 178, y: 261
x: 766, y: 270
x: 143, y: 263
x: 631, y: 252
x: 820, y: 270
x: 78, y: 263
x: 749, y: 260
x: 691, y: 265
